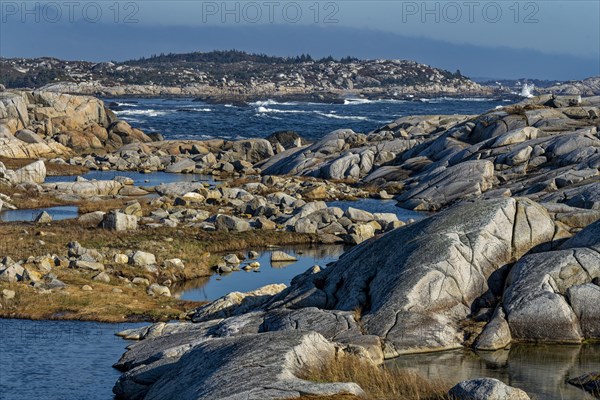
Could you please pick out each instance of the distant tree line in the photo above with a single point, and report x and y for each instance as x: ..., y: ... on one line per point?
x: 230, y: 57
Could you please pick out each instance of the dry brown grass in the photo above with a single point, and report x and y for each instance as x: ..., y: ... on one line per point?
x: 378, y: 382
x: 20, y: 240
x: 51, y: 169
x: 101, y: 304
x: 30, y: 199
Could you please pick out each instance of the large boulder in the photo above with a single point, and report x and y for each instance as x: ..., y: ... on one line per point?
x: 253, y: 150
x: 118, y: 221
x: 230, y: 223
x: 84, y: 188
x: 549, y: 296
x: 415, y: 284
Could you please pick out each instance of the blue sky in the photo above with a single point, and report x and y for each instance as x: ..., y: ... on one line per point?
x: 538, y: 39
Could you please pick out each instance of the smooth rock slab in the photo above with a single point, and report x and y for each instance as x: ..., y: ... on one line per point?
x: 439, y: 188
x: 261, y: 366
x: 549, y: 295
x: 417, y: 282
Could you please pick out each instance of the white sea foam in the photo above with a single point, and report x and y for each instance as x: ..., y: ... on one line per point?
x: 149, y: 112
x: 335, y: 116
x: 436, y: 100
x: 351, y: 101
x: 262, y: 109
x: 527, y: 90
x: 265, y: 110
x: 263, y: 103
x: 358, y: 102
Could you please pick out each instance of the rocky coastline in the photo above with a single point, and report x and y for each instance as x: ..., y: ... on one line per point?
x: 508, y: 254
x: 238, y: 78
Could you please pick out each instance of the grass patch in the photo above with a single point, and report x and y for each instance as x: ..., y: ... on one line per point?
x: 193, y: 246
x: 100, y: 304
x: 30, y: 199
x: 51, y: 168
x: 377, y: 382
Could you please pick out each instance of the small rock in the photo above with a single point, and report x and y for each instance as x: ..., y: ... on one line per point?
x: 43, y: 218
x: 279, y: 256
x: 89, y: 265
x: 174, y: 263
x: 141, y: 259
x: 232, y: 259
x: 86, y: 288
x: 140, y: 281
x: 8, y: 294
x: 121, y: 259
x: 224, y: 269
x: 102, y: 277
x: 158, y: 290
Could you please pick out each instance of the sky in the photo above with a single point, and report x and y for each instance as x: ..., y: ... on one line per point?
x: 545, y: 39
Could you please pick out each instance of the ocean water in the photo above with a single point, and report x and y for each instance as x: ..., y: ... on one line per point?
x: 59, y: 360
x: 188, y: 119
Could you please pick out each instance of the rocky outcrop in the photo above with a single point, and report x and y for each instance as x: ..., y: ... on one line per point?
x: 261, y: 366
x: 415, y: 289
x: 45, y: 123
x: 550, y: 296
x: 344, y: 154
x: 14, y: 148
x: 586, y: 87
x: 416, y: 283
x: 544, y: 148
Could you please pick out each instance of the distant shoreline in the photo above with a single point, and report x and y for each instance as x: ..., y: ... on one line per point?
x: 213, y: 95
